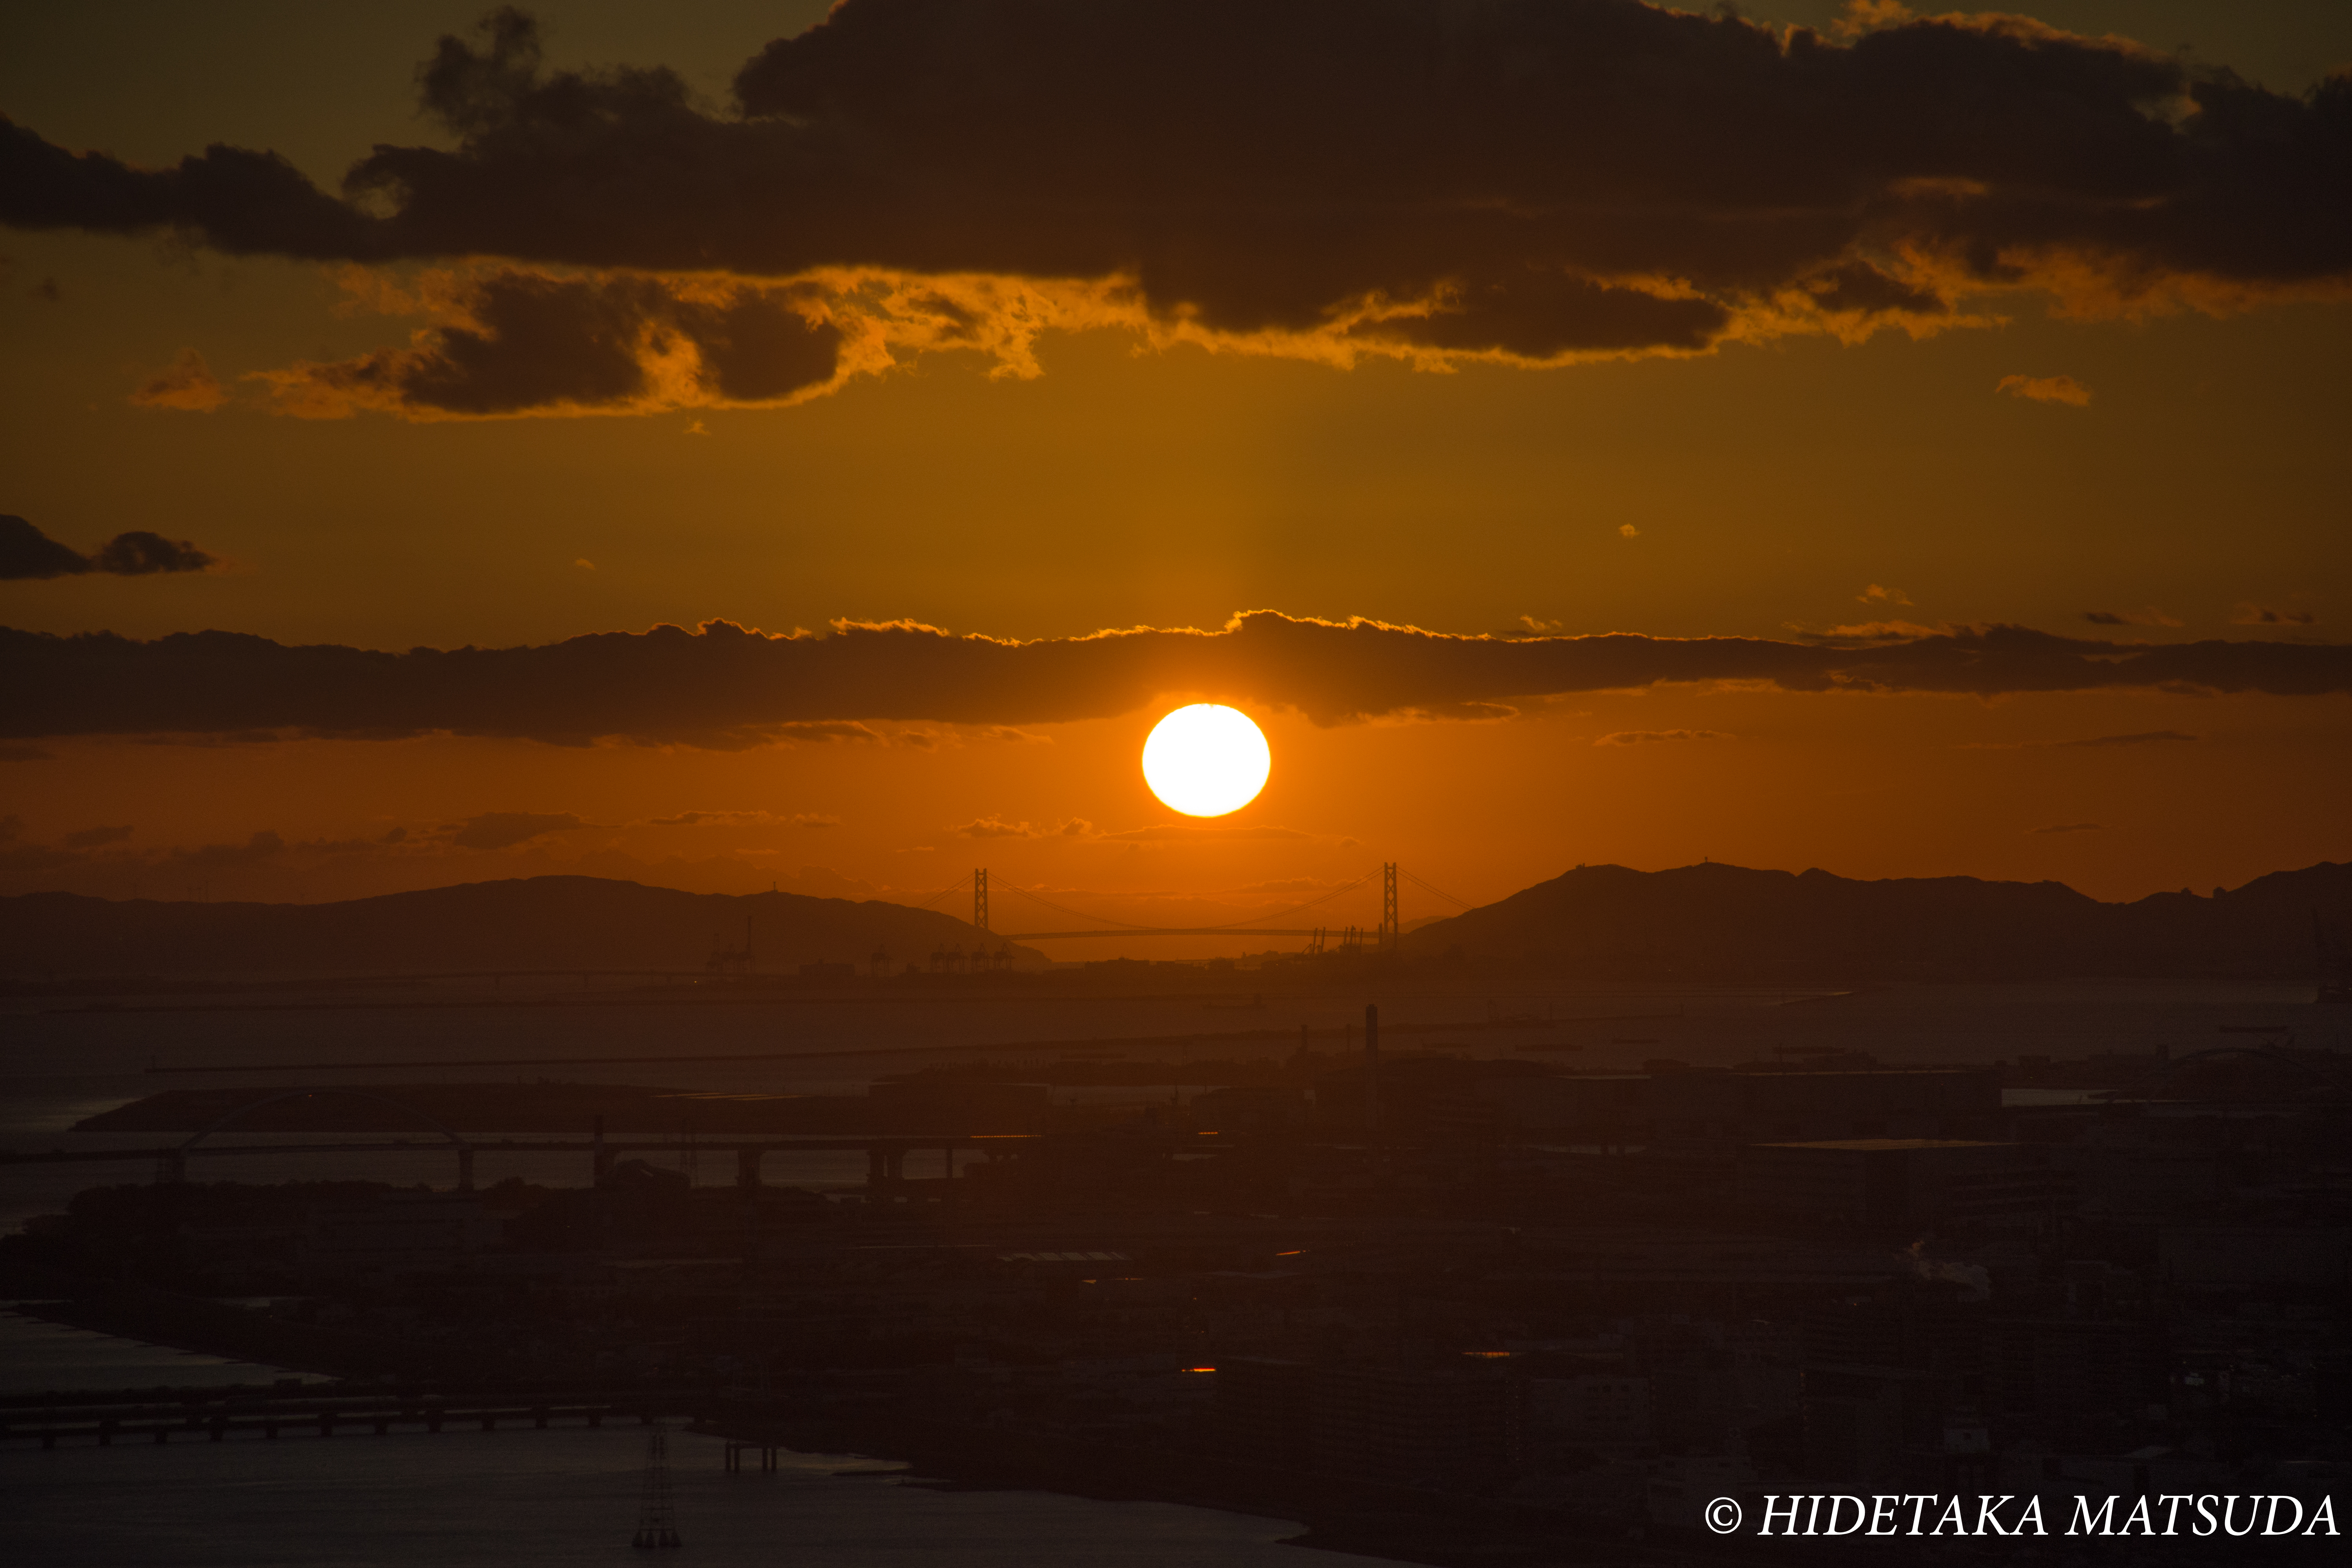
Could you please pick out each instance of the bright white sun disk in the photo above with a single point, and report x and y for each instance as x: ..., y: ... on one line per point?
x: 1206, y: 760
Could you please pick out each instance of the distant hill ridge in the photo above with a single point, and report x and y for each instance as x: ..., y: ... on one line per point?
x: 1704, y: 922
x: 1729, y: 921
x: 536, y: 922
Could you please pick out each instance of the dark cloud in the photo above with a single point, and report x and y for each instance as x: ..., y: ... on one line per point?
x: 1526, y: 178
x: 15, y: 753
x: 505, y: 830
x: 521, y: 342
x: 92, y: 837
x: 726, y: 687
x: 139, y: 553
x: 26, y: 551
x: 2150, y: 616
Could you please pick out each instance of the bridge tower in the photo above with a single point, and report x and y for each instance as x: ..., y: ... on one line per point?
x: 980, y: 899
x: 656, y: 1519
x: 1388, y: 904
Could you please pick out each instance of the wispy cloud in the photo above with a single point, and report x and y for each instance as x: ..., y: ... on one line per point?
x: 2046, y: 389
x: 2070, y: 827
x: 997, y: 828
x: 1647, y: 737
x: 505, y: 830
x: 1163, y: 831
x: 2139, y: 738
x: 187, y: 386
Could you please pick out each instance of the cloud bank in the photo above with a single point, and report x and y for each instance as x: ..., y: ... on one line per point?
x: 1535, y: 180
x: 724, y: 685
x: 26, y: 552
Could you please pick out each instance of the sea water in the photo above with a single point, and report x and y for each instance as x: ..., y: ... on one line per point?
x: 37, y: 1356
x: 568, y: 1496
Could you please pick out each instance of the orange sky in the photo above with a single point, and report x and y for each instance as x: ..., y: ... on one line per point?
x: 2184, y: 481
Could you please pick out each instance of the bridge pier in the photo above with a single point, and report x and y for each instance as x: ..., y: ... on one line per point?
x: 465, y: 1167
x: 747, y: 1167
x: 886, y: 1167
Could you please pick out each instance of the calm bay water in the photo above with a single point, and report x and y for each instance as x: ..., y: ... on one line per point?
x: 37, y: 1355
x: 514, y: 1500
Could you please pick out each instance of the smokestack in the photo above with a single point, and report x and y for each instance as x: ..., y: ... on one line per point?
x: 1373, y: 1068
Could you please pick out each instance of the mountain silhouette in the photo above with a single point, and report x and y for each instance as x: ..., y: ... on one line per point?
x: 1718, y: 921
x: 536, y: 922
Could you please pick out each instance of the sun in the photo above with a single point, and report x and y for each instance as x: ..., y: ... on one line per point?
x: 1206, y: 760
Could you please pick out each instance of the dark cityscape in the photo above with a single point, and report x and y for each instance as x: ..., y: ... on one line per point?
x: 1446, y: 1294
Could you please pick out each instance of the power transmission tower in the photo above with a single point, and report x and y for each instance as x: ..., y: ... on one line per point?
x: 1388, y: 903
x: 656, y: 1519
x: 980, y: 899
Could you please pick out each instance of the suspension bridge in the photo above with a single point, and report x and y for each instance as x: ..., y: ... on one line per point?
x: 1382, y: 936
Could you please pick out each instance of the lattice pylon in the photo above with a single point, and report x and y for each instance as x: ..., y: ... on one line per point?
x: 657, y: 1517
x: 1388, y: 927
x: 980, y: 899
